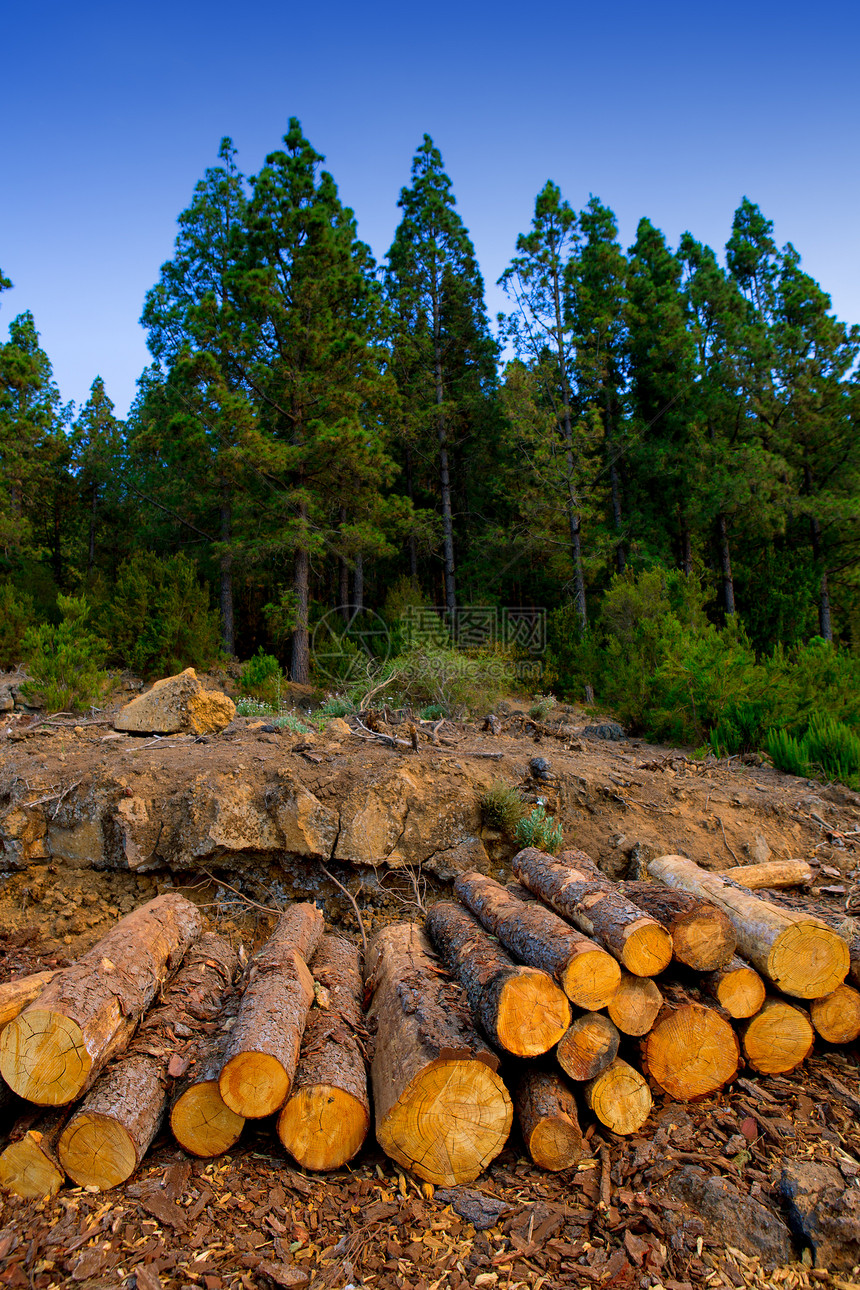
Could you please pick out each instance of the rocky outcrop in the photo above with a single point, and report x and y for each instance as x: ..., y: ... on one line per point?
x: 732, y: 1218
x: 177, y: 705
x: 824, y: 1212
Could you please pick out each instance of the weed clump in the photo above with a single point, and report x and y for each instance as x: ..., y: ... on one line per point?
x: 540, y: 830
x: 502, y: 808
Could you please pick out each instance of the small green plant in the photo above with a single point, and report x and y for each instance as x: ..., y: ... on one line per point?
x: 291, y: 723
x: 540, y: 830
x: 261, y: 676
x: 254, y: 708
x: 336, y: 705
x: 433, y: 712
x: 787, y: 753
x: 65, y: 662
x: 542, y: 707
x: 502, y: 808
x: 828, y: 750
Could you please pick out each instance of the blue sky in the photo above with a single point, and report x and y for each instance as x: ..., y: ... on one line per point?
x: 675, y: 111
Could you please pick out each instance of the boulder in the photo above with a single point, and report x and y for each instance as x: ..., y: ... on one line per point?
x: 7, y: 703
x: 177, y: 705
x: 823, y: 1212
x: 732, y: 1218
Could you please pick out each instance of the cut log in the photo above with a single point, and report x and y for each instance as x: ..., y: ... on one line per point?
x: 521, y: 1009
x: 588, y: 1047
x: 619, y: 1097
x: 547, y: 1115
x: 836, y: 1017
x: 635, y: 1005
x: 441, y: 1107
x: 200, y: 1120
x: 774, y: 873
x: 575, y: 888
x: 778, y: 1038
x: 703, y: 938
x: 737, y: 988
x: 107, y: 1137
x: 692, y: 1050
x: 15, y: 996
x: 327, y: 1115
x: 29, y: 1166
x: 533, y: 934
x: 52, y: 1051
x: 800, y: 954
x: 263, y: 1052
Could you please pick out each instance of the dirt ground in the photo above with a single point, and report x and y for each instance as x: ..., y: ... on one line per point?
x: 638, y: 1212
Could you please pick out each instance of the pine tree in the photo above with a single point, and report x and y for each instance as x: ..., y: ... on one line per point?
x: 97, y: 446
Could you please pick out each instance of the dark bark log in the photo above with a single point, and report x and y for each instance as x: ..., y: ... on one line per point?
x: 635, y: 1005
x: 588, y: 1047
x: 546, y: 1110
x: 200, y: 1120
x: 703, y: 937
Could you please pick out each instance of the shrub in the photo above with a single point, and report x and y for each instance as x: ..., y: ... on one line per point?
x: 740, y: 729
x: 261, y: 677
x: 159, y: 618
x: 542, y: 707
x: 336, y: 705
x: 540, y: 830
x: 16, y: 617
x: 65, y: 662
x: 449, y: 680
x: 502, y: 808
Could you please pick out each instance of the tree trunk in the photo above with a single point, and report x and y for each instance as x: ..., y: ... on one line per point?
x: 546, y: 1110
x: 837, y: 1016
x: 619, y: 1097
x: 358, y: 584
x: 692, y: 1050
x: 800, y: 954
x: 588, y: 1047
x: 413, y: 544
x: 444, y: 472
x: 587, y: 974
x: 576, y: 888
x: 635, y: 1005
x: 29, y: 1166
x: 327, y: 1115
x: 225, y: 570
x: 343, y: 578
x: 441, y: 1109
x: 686, y: 546
x: 263, y: 1052
x: 15, y: 996
x: 200, y: 1120
x: 703, y: 938
x: 737, y: 988
x: 726, y: 565
x: 520, y: 1009
x: 52, y: 1052
x: 108, y: 1136
x: 777, y: 1038
x: 774, y: 874
x: 300, y: 661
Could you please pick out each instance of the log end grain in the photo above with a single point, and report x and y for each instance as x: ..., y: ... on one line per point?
x: 635, y: 1005
x: 43, y: 1057
x: 588, y: 1047
x: 691, y: 1052
x: 96, y: 1151
x: 704, y: 939
x: 450, y: 1121
x: 202, y: 1122
x: 808, y: 960
x: 323, y: 1127
x: 779, y: 1038
x: 15, y: 996
x: 254, y: 1084
x: 26, y: 1171
x: 619, y: 1097
x: 647, y: 948
x: 738, y: 989
x: 591, y: 978
x: 836, y: 1017
x: 532, y: 1013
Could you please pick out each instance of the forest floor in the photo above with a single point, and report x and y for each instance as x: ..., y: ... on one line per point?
x: 693, y: 1199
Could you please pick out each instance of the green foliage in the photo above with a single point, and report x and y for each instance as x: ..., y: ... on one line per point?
x: 542, y: 707
x: 159, y: 619
x: 828, y: 750
x: 540, y: 830
x: 502, y: 808
x: 16, y: 616
x: 261, y: 676
x: 449, y: 680
x: 65, y: 661
x: 255, y: 708
x: 433, y: 711
x: 740, y: 728
x: 336, y: 705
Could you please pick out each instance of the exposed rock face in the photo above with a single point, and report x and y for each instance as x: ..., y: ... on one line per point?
x: 824, y: 1212
x: 177, y: 704
x: 733, y: 1219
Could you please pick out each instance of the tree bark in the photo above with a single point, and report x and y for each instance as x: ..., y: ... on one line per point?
x: 520, y: 1009
x: 200, y: 1120
x: 635, y: 1005
x: 587, y: 974
x: 726, y: 565
x: 108, y: 1136
x: 52, y: 1052
x: 588, y: 1047
x: 836, y: 1017
x: 576, y: 888
x: 774, y: 874
x: 327, y: 1115
x: 619, y: 1097
x: 692, y: 1050
x: 546, y: 1110
x: 441, y: 1108
x: 29, y: 1166
x: 703, y: 938
x: 800, y: 954
x: 777, y: 1038
x: 263, y: 1052
x: 737, y: 988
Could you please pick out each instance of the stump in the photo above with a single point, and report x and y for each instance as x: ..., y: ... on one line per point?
x: 703, y: 938
x: 327, y: 1115
x: 520, y: 1009
x: 533, y: 934
x: 52, y: 1051
x: 575, y: 888
x: 263, y: 1051
x: 441, y: 1107
x: 635, y: 1005
x: 800, y: 954
x: 778, y: 1038
x: 692, y: 1051
x: 589, y: 1045
x: 619, y: 1097
x: 836, y: 1017
x: 737, y: 988
x: 546, y: 1110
